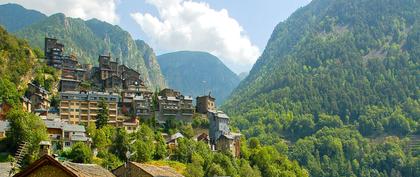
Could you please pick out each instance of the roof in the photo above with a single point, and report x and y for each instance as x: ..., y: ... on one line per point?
x: 5, y: 168
x: 171, y: 98
x: 72, y: 169
x: 65, y: 126
x: 4, y: 125
x: 53, y: 124
x: 221, y: 114
x: 87, y: 170
x: 157, y: 171
x: 79, y: 138
x: 188, y: 98
x: 74, y: 128
x: 176, y: 136
x: 228, y: 136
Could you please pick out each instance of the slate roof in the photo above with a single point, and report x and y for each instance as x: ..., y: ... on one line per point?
x: 74, y: 128
x: 221, y: 114
x: 87, y: 170
x: 158, y: 171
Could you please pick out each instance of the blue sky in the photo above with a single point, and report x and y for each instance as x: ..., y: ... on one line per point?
x: 236, y: 31
x: 258, y: 17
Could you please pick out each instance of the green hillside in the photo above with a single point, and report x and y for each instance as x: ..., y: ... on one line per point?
x: 198, y: 73
x: 339, y: 80
x: 89, y: 39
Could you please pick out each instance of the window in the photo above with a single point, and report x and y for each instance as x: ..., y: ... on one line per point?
x: 67, y: 144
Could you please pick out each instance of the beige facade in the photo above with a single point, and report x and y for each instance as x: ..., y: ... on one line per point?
x: 83, y: 107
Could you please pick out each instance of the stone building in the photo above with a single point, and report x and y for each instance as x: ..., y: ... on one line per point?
x: 171, y: 104
x: 83, y: 107
x: 205, y: 103
x: 221, y: 139
x: 110, y: 76
x: 72, y: 72
x: 63, y: 135
x: 39, y: 98
x: 142, y: 106
x: 54, y: 53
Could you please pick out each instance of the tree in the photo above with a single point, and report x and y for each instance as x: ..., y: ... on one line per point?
x: 246, y: 170
x: 215, y: 170
x: 8, y: 92
x: 109, y: 160
x: 160, y: 150
x: 144, y: 146
x: 80, y: 153
x: 398, y: 124
x: 187, y: 131
x: 195, y: 168
x: 103, y: 114
x: 25, y: 127
x: 120, y: 143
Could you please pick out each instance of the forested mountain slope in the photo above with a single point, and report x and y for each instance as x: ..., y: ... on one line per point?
x: 89, y: 39
x: 197, y: 73
x: 340, y: 80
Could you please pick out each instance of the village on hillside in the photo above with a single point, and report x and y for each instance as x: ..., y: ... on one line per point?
x: 83, y: 94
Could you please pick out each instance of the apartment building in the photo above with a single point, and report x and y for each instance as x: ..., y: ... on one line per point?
x: 82, y: 107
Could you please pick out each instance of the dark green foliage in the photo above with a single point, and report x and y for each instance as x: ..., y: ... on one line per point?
x: 80, y: 153
x: 103, y: 115
x: 120, y: 144
x: 109, y: 160
x: 334, y: 71
x: 198, y: 73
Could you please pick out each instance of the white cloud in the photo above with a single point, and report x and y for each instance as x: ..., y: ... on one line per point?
x: 86, y: 9
x: 188, y: 25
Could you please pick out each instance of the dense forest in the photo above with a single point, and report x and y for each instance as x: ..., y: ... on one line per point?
x: 339, y: 83
x: 198, y: 73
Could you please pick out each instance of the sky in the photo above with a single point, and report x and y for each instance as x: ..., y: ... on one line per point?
x: 236, y: 31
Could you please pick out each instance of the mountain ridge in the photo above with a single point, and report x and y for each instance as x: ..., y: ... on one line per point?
x: 198, y: 73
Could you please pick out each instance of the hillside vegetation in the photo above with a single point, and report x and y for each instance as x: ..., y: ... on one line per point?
x: 339, y: 80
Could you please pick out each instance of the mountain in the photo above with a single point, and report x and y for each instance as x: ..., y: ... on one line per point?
x: 89, y: 39
x: 243, y: 75
x: 197, y: 73
x: 14, y: 17
x: 340, y: 80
